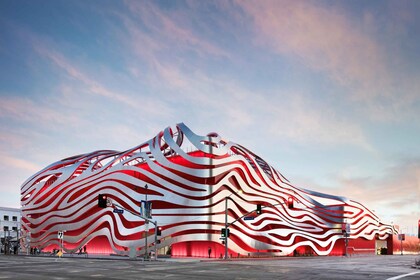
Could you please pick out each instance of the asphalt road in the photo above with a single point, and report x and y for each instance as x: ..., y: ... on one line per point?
x: 362, y: 267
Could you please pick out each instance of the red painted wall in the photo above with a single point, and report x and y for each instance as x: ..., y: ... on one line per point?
x: 411, y: 244
x: 199, y: 249
x: 361, y: 246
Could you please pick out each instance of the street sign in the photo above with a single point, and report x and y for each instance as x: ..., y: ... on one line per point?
x: 146, y: 209
x: 60, y: 235
x: 347, y: 227
x: 118, y: 211
x: 248, y: 218
x: 401, y: 237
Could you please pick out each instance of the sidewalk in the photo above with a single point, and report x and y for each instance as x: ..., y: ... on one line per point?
x: 163, y: 258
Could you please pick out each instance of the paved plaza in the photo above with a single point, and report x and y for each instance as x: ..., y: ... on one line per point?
x: 356, y: 267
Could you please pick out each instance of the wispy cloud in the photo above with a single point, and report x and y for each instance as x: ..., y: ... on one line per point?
x: 168, y: 28
x: 347, y: 49
x: 30, y: 111
x: 93, y: 86
x: 286, y: 114
x: 14, y: 163
x: 307, y: 121
x: 391, y: 194
x: 324, y: 39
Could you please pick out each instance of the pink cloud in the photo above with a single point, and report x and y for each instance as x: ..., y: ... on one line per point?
x: 395, y: 196
x: 324, y: 39
x: 13, y: 163
x: 36, y: 112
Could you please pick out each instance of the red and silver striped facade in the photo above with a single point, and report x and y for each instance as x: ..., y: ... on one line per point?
x: 189, y: 177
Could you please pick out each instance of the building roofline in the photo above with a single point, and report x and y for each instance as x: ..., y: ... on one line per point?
x: 10, y: 209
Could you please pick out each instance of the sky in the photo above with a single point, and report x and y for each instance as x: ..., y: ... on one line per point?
x: 327, y: 92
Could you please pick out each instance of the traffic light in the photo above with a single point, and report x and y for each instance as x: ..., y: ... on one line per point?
x: 290, y: 202
x: 159, y: 231
x: 224, y: 230
x: 102, y: 200
x: 259, y: 211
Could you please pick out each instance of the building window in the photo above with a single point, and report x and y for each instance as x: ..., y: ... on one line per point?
x: 5, y: 228
x: 14, y: 218
x: 6, y: 218
x: 14, y: 228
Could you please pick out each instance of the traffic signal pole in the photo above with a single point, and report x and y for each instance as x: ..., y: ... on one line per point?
x: 226, y: 227
x: 147, y: 220
x: 259, y: 209
x: 146, y: 227
x: 156, y: 231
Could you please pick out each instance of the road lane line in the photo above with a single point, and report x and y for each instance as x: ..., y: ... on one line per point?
x: 402, y: 275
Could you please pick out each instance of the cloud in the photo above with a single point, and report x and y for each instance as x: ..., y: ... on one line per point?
x: 283, y: 113
x: 87, y: 85
x: 322, y: 38
x: 395, y: 196
x: 40, y: 112
x: 168, y: 27
x: 93, y: 86
x: 305, y: 120
x: 13, y: 163
x: 363, y: 55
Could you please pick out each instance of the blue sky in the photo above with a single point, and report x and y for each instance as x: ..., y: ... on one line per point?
x: 328, y: 92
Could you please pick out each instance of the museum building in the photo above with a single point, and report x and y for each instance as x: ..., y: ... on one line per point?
x: 198, y: 187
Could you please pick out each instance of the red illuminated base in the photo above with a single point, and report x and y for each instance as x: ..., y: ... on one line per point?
x: 200, y: 249
x: 210, y: 249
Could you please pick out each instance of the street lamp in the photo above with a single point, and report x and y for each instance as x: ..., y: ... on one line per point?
x: 226, y: 223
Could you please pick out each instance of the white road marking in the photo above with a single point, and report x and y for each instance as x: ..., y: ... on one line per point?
x: 402, y: 275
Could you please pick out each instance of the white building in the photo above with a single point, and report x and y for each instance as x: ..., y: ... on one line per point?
x: 10, y: 219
